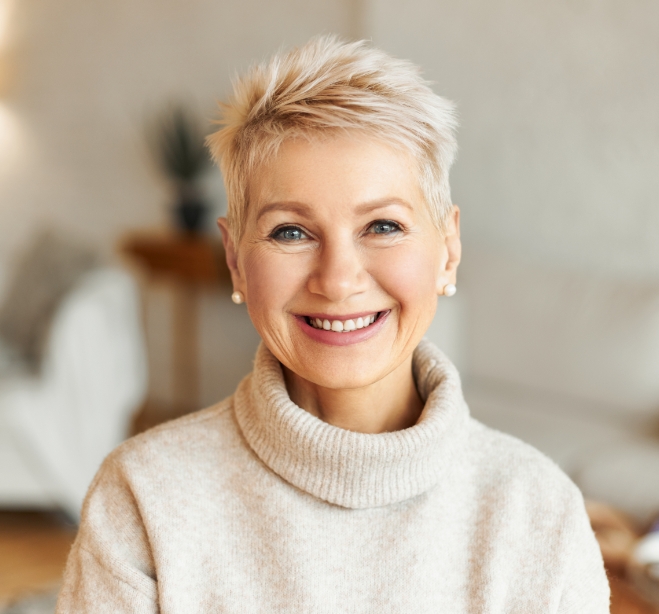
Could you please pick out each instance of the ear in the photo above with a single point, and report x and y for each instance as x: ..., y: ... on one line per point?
x: 452, y: 251
x: 231, y: 254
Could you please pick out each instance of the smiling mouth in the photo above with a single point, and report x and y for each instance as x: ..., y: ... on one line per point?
x: 343, y: 326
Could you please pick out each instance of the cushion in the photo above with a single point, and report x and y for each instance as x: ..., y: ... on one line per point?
x: 47, y: 270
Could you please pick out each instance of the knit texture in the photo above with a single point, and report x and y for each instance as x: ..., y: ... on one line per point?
x: 255, y: 505
x: 350, y: 469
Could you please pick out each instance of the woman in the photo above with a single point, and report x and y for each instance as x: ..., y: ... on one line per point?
x: 345, y: 474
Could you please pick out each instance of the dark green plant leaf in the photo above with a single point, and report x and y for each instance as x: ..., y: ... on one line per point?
x: 177, y: 142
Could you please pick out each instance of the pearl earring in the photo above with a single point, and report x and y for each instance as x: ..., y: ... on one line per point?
x: 450, y: 289
x: 237, y: 297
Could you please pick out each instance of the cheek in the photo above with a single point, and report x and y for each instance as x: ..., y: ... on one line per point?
x: 409, y: 274
x: 272, y: 280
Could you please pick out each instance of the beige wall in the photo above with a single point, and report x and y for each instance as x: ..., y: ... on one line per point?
x: 558, y: 100
x: 85, y: 75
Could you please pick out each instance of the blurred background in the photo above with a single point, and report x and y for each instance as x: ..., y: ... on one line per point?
x: 114, y: 302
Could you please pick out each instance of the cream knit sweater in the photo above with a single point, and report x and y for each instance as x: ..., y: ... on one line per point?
x: 256, y: 506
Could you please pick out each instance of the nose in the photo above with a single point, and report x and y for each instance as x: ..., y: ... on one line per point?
x: 339, y: 271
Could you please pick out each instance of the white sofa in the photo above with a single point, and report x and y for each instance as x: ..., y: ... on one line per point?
x: 568, y: 362
x: 56, y: 428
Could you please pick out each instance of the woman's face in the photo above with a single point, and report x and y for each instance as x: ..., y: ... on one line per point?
x: 337, y: 235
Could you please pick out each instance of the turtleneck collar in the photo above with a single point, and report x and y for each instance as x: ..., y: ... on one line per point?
x: 354, y: 470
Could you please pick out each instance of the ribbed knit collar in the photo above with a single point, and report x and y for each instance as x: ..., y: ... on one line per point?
x: 350, y: 469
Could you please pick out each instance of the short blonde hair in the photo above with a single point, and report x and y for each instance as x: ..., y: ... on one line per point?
x: 330, y: 86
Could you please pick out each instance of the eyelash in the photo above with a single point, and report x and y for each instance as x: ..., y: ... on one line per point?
x: 276, y: 234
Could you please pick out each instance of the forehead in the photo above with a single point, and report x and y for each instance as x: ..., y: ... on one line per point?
x: 335, y: 173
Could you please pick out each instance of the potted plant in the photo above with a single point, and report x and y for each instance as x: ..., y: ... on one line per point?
x: 177, y: 142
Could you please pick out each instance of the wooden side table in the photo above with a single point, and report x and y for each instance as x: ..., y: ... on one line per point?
x: 189, y: 264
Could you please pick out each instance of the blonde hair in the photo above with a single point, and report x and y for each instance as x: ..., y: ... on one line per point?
x: 330, y: 86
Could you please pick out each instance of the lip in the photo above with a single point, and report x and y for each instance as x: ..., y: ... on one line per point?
x: 331, y: 338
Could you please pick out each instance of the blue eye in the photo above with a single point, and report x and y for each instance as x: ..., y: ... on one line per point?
x: 289, y: 234
x: 384, y: 227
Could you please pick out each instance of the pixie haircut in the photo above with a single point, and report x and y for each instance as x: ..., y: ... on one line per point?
x: 329, y: 87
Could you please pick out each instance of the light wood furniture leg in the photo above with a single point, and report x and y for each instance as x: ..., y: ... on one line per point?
x: 186, y: 349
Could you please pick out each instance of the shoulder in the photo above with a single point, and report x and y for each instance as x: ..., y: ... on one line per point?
x: 207, y: 424
x: 169, y: 464
x: 527, y: 502
x: 511, y: 457
x: 127, y: 501
x: 173, y: 446
x: 519, y: 473
x: 521, y: 496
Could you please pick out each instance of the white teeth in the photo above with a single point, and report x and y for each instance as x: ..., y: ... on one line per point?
x: 339, y: 326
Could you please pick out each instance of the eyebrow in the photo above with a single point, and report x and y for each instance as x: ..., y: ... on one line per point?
x: 303, y: 209
x: 383, y: 202
x: 295, y: 207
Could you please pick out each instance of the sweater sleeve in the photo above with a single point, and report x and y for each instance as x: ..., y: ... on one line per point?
x: 586, y: 589
x: 110, y: 568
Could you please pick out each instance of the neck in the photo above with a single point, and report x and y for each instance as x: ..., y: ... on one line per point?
x: 390, y: 404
